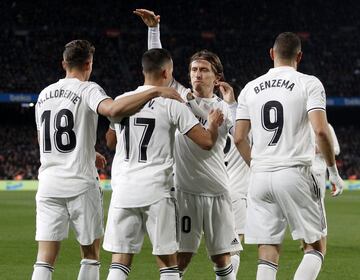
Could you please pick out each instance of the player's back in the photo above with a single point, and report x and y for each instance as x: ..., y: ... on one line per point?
x: 277, y: 105
x: 142, y: 169
x: 66, y: 121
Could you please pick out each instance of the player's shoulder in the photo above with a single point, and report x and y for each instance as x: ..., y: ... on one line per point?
x: 308, y: 79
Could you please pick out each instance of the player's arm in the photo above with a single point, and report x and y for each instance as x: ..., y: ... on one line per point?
x: 100, y: 161
x: 335, y: 141
x: 228, y: 96
x: 111, y: 140
x: 242, y: 129
x: 153, y: 23
x: 206, y: 138
x: 129, y: 105
x: 320, y: 126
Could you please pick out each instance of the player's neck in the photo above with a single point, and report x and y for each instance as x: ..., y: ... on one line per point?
x: 154, y: 82
x: 76, y: 74
x: 289, y: 63
x: 201, y: 94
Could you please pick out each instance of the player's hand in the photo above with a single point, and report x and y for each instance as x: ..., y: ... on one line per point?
x: 100, y: 161
x: 148, y: 17
x: 336, y: 181
x: 216, y: 118
x: 169, y: 92
x: 227, y: 92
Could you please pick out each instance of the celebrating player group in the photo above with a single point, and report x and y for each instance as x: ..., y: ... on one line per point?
x: 189, y: 163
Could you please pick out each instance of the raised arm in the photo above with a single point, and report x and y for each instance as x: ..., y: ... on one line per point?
x: 153, y: 23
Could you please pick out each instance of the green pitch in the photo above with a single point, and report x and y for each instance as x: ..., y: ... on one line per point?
x: 18, y: 248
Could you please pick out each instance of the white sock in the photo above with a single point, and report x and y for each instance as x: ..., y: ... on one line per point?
x: 235, y: 260
x: 89, y: 270
x: 118, y: 271
x: 266, y: 270
x: 225, y: 273
x: 169, y: 273
x: 310, y: 266
x: 42, y: 271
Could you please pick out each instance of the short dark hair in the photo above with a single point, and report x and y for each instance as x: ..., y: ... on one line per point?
x: 213, y: 59
x: 77, y: 52
x: 153, y: 60
x: 287, y: 45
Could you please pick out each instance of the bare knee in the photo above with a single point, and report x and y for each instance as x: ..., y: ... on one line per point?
x: 319, y: 246
x: 48, y: 251
x: 166, y: 260
x: 269, y: 253
x: 91, y: 251
x: 184, y: 259
x: 221, y: 260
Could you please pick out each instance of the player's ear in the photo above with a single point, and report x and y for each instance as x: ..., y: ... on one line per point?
x: 271, y: 53
x: 63, y: 63
x: 299, y: 57
x: 87, y: 65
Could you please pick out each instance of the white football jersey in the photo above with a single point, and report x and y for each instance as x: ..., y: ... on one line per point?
x: 238, y: 170
x: 319, y: 163
x: 277, y: 105
x: 66, y: 119
x: 199, y: 171
x: 142, y: 170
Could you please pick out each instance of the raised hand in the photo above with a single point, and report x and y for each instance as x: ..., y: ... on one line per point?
x: 148, y: 17
x: 227, y: 92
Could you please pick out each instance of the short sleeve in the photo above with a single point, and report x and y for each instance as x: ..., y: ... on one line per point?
x: 242, y: 111
x: 181, y: 116
x: 94, y: 95
x: 316, y: 95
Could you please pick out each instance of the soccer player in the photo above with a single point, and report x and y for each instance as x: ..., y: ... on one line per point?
x: 279, y: 107
x: 142, y: 172
x: 68, y: 192
x: 201, y: 178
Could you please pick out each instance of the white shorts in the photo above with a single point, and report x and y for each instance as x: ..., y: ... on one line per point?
x: 126, y: 228
x: 321, y: 178
x: 84, y: 214
x: 239, y: 210
x: 209, y: 215
x: 276, y: 199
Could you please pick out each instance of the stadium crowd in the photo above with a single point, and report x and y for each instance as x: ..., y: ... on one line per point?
x: 37, y: 36
x: 32, y: 40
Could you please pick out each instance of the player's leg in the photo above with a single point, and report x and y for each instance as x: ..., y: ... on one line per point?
x: 299, y: 196
x: 161, y: 224
x: 265, y: 224
x: 239, y: 211
x: 86, y: 219
x: 124, y: 236
x: 311, y: 263
x: 45, y: 261
x: 52, y: 226
x: 90, y: 264
x: 120, y: 266
x: 191, y: 227
x: 220, y: 236
x: 268, y: 261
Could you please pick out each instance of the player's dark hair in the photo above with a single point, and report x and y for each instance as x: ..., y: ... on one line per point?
x: 154, y: 60
x: 77, y: 53
x: 213, y: 59
x: 287, y: 45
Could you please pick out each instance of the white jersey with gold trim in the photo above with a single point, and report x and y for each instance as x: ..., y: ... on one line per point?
x: 66, y: 119
x: 199, y: 171
x: 277, y: 105
x: 142, y: 170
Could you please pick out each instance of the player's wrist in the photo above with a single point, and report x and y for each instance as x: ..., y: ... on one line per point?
x: 333, y: 170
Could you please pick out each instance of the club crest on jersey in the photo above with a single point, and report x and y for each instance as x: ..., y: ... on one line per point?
x: 274, y: 83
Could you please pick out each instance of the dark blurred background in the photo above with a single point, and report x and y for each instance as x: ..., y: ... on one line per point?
x: 33, y: 34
